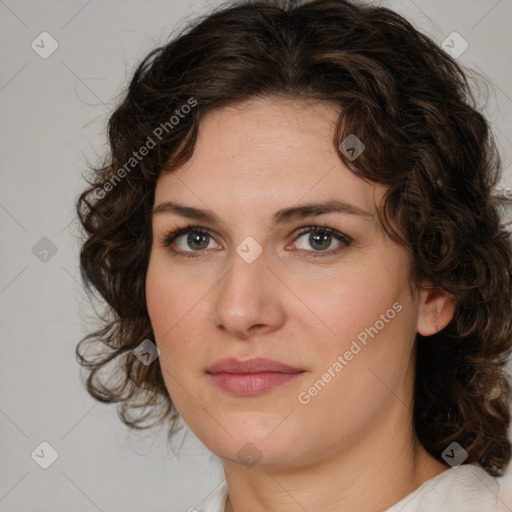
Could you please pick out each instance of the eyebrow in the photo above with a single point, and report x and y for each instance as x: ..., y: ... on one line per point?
x: 280, y: 217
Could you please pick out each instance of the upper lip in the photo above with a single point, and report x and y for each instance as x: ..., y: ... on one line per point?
x: 256, y: 365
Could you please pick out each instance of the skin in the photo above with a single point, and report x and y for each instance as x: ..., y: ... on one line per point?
x: 352, y: 446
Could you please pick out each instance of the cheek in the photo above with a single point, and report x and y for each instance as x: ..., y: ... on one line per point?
x: 158, y: 300
x: 165, y: 310
x: 350, y: 300
x: 169, y: 296
x: 177, y: 312
x: 371, y: 319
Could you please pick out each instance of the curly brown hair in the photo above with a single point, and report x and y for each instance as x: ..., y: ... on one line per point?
x: 411, y: 104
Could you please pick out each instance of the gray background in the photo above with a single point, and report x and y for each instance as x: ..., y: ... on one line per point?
x: 53, y: 115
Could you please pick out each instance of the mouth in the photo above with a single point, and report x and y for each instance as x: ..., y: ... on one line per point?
x: 251, y: 377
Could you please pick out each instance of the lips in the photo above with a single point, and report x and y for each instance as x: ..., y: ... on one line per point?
x: 256, y: 365
x: 251, y: 377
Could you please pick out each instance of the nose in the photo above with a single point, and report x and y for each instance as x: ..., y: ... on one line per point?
x: 247, y: 300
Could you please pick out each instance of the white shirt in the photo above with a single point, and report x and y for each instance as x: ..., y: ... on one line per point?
x: 464, y: 488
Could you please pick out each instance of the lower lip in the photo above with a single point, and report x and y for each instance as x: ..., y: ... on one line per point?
x: 247, y: 384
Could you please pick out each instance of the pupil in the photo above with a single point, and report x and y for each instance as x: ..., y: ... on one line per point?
x: 196, y: 237
x: 316, y: 238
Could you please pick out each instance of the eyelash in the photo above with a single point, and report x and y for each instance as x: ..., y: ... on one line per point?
x: 170, y: 237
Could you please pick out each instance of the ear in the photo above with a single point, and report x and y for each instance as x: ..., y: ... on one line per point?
x: 436, y: 309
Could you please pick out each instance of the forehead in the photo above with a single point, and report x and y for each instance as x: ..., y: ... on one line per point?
x: 265, y: 154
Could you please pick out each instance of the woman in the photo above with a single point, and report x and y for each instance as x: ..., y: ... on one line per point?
x: 297, y: 239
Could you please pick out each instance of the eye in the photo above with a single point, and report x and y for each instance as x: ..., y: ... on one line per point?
x: 197, y: 239
x: 321, y: 238
x: 191, y: 241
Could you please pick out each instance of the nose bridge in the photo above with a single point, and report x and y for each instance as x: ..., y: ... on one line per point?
x: 246, y: 280
x: 244, y: 296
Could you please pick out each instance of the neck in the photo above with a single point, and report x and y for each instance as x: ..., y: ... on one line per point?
x: 372, y: 471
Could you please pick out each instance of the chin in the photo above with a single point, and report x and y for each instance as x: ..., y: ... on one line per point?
x: 252, y: 442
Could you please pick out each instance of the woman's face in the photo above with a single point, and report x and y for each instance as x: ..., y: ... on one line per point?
x: 333, y: 303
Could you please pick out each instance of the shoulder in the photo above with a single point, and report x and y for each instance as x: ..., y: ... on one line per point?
x: 465, y: 488
x: 217, y: 500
